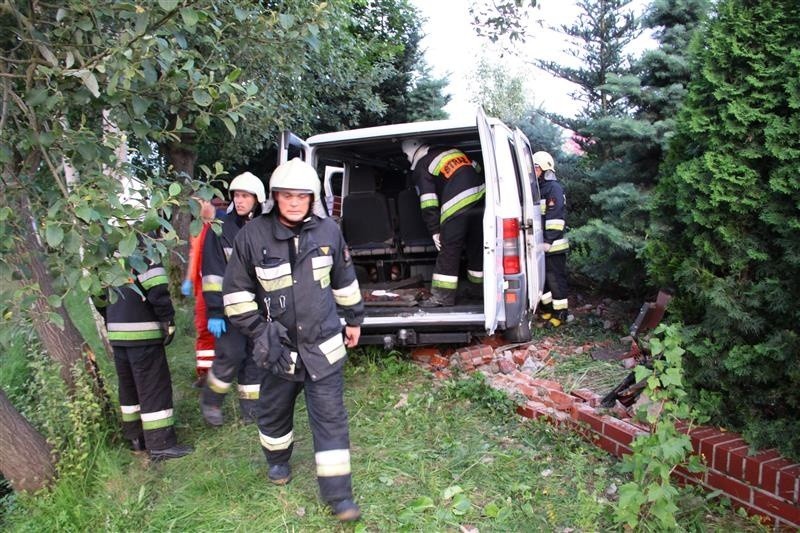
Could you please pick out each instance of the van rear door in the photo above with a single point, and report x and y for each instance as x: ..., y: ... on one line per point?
x: 493, y: 307
x: 532, y: 219
x: 292, y: 146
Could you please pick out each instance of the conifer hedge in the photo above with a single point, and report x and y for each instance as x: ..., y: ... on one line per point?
x: 726, y: 229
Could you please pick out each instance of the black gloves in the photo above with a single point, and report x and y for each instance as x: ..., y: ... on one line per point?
x: 271, y: 349
x: 168, y: 328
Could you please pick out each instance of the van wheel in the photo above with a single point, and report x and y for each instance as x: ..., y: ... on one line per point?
x: 521, y: 332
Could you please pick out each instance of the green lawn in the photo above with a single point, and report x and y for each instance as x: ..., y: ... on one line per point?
x: 426, y: 456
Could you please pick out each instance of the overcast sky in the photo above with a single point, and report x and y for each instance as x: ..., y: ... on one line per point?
x: 452, y: 49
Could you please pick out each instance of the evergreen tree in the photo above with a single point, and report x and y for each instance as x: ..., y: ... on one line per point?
x: 727, y: 220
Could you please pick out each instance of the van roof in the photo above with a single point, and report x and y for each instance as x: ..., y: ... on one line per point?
x: 432, y: 128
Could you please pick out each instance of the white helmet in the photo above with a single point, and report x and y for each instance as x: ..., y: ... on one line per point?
x: 410, y: 147
x: 295, y: 175
x: 248, y: 182
x: 544, y: 161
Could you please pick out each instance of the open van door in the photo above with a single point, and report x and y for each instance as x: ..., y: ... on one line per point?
x: 493, y: 306
x: 292, y: 146
x: 532, y: 219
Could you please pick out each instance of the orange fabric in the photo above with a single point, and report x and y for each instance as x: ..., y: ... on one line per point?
x: 205, y: 340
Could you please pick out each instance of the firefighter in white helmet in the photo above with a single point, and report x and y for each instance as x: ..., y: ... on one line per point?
x: 554, y: 304
x: 232, y: 353
x: 451, y: 194
x: 289, y: 272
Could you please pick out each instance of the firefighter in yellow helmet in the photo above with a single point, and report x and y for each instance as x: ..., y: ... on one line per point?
x: 554, y: 304
x: 289, y: 272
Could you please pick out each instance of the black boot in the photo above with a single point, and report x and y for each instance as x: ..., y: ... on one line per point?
x: 137, y: 444
x: 280, y: 474
x: 173, y: 452
x: 346, y: 510
x: 439, y: 298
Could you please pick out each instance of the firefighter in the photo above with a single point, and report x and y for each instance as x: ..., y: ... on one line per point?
x: 289, y: 271
x: 554, y: 304
x: 193, y: 286
x: 451, y: 193
x: 233, y: 354
x: 139, y: 319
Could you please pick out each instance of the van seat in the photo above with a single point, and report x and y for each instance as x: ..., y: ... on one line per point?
x: 414, y: 236
x: 366, y: 220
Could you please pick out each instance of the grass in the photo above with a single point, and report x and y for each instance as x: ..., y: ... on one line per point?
x: 427, y: 456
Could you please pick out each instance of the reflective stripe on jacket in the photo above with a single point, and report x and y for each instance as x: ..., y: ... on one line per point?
x: 300, y: 287
x: 448, y: 184
x: 140, y: 308
x: 216, y: 250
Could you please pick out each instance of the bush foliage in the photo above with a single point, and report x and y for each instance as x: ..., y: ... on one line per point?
x: 727, y: 220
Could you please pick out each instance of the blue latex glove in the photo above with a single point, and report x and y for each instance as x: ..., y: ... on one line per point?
x: 217, y: 327
x: 187, y: 287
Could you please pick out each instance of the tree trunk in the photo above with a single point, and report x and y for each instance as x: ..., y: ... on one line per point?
x: 26, y: 460
x: 182, y: 157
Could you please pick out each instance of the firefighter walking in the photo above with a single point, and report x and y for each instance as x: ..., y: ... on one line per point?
x: 554, y: 303
x: 140, y: 323
x: 451, y: 193
x: 233, y: 352
x: 289, y: 272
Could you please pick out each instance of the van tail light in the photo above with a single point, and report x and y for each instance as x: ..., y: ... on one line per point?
x: 511, y: 246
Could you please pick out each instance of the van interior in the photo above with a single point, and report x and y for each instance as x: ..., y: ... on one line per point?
x: 370, y: 193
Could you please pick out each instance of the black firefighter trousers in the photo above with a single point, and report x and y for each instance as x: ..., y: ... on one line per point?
x: 464, y: 230
x: 328, y: 419
x: 145, y: 395
x: 233, y: 359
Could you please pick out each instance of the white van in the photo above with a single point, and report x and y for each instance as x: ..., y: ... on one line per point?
x: 367, y: 183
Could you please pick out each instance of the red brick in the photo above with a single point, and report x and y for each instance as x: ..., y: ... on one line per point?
x: 607, y: 444
x: 752, y: 465
x: 699, y: 433
x: 423, y: 355
x: 535, y: 410
x: 519, y: 356
x: 736, y: 460
x: 527, y: 391
x: 620, y: 431
x: 562, y: 401
x: 722, y: 454
x: 437, y: 361
x: 708, y: 445
x: 546, y: 383
x: 730, y: 486
x: 590, y: 417
x: 588, y: 396
x: 769, y: 473
x: 506, y: 366
x: 775, y: 506
x: 789, y: 483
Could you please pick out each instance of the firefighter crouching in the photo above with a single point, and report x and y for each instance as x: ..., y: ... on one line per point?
x: 554, y: 308
x: 233, y: 357
x: 289, y: 271
x: 140, y: 322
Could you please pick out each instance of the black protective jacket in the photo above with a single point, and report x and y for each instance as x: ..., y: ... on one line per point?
x: 216, y: 251
x: 141, y: 311
x: 448, y: 185
x: 297, y: 277
x: 553, y: 205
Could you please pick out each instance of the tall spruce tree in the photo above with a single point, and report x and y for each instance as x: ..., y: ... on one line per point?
x: 727, y: 220
x: 602, y: 246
